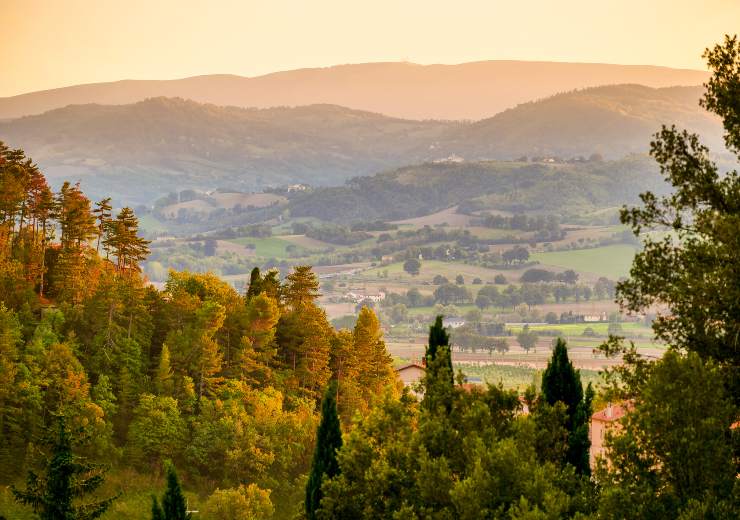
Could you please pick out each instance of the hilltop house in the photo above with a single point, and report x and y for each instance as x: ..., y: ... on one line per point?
x: 361, y: 297
x: 601, y: 422
x: 453, y: 323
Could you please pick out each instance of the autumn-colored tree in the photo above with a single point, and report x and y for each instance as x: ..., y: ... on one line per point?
x: 163, y: 380
x: 258, y: 345
x: 194, y: 350
x: 375, y: 364
x: 301, y: 287
x: 77, y: 226
x: 303, y: 337
x: 345, y: 369
x: 103, y: 215
x: 123, y: 242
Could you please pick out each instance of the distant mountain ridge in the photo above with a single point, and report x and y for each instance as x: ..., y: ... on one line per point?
x: 468, y: 91
x: 141, y: 151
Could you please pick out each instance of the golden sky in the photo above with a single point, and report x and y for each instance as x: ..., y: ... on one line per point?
x: 53, y: 43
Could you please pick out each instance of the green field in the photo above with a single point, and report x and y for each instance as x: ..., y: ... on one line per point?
x: 576, y: 329
x: 610, y: 261
x: 430, y: 268
x: 272, y: 247
x: 516, y: 377
x: 151, y: 224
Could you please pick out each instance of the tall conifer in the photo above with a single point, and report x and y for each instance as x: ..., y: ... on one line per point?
x: 562, y: 382
x: 67, y: 479
x: 157, y: 513
x: 328, y: 442
x: 173, y: 501
x: 439, y: 347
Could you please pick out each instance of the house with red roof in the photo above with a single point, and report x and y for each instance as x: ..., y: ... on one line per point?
x: 602, y: 422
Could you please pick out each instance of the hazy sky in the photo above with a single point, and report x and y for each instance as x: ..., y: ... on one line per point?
x: 53, y: 43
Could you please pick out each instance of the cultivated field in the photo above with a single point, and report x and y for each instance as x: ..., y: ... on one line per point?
x: 447, y: 216
x: 611, y: 261
x: 272, y: 247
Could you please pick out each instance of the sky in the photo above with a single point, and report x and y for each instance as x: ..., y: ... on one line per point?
x: 54, y: 43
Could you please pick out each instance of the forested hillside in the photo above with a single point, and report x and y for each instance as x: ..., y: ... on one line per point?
x: 514, y: 186
x: 611, y: 120
x: 222, y: 385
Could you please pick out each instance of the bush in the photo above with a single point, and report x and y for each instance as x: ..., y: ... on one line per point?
x: 243, y: 503
x: 537, y: 275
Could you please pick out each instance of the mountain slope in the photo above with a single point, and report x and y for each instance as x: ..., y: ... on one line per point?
x: 144, y: 150
x: 152, y: 147
x: 612, y: 120
x: 464, y: 91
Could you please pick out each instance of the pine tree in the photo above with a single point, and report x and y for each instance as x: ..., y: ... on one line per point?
x: 123, y: 241
x: 258, y: 345
x: 102, y: 213
x: 376, y: 365
x: 345, y: 370
x: 67, y: 478
x: 302, y: 287
x: 163, y: 382
x: 328, y: 442
x: 562, y: 382
x: 173, y: 501
x: 75, y: 218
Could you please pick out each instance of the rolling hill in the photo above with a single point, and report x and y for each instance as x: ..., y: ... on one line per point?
x: 612, y: 120
x: 141, y: 151
x: 138, y: 152
x: 422, y: 189
x: 469, y: 91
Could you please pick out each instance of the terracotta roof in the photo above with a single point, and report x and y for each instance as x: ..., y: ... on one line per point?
x: 611, y: 413
x: 409, y: 365
x: 472, y: 387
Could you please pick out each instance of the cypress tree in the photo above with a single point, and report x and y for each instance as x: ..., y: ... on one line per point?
x: 173, y: 501
x: 439, y: 346
x: 255, y: 283
x: 157, y: 513
x: 562, y: 382
x: 439, y: 379
x: 328, y: 442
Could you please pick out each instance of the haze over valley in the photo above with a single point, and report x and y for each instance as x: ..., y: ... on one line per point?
x: 390, y: 260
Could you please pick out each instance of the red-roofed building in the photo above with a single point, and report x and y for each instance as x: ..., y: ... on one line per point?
x: 601, y: 422
x: 410, y: 374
